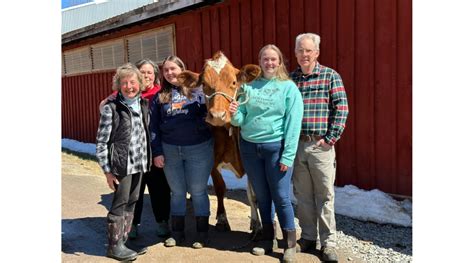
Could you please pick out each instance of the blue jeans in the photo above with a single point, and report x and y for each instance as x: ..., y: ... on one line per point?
x: 187, y: 169
x: 262, y: 163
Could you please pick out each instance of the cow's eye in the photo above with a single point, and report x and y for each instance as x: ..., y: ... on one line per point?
x: 233, y: 83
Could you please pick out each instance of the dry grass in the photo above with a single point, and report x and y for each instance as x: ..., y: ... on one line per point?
x: 79, y: 163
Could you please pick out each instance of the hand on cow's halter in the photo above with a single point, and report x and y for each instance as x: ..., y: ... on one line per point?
x: 283, y: 168
x: 159, y: 161
x: 233, y: 107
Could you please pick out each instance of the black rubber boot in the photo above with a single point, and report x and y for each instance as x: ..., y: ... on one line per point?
x: 136, y: 247
x: 177, y: 231
x: 289, y: 239
x: 304, y: 245
x: 127, y: 225
x: 266, y: 244
x: 259, y: 236
x: 117, y: 249
x: 202, y: 227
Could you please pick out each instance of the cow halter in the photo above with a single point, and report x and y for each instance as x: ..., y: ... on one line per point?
x: 217, y: 65
x: 228, y: 97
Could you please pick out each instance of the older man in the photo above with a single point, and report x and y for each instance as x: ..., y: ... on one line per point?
x: 325, y: 114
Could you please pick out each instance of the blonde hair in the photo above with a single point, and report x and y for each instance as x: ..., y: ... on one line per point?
x: 281, y: 72
x: 127, y: 70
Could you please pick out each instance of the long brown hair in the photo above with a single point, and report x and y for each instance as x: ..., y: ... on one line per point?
x: 166, y: 88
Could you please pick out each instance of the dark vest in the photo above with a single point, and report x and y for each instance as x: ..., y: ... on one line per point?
x: 120, y: 135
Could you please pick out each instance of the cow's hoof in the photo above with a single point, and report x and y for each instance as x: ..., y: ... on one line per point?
x: 221, y: 227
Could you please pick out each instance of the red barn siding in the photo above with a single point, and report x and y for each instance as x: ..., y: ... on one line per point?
x: 404, y: 96
x: 282, y: 28
x: 367, y: 41
x: 81, y: 95
x: 235, y: 44
x: 362, y: 111
x: 385, y: 94
x: 345, y: 22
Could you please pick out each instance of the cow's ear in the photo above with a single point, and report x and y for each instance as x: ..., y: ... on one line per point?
x: 188, y: 79
x: 248, y: 73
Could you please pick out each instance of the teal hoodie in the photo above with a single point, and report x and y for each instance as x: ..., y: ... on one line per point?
x: 273, y: 113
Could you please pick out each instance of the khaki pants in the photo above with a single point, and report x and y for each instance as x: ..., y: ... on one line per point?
x: 313, y: 183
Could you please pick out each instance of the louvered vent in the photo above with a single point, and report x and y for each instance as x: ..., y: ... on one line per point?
x: 77, y: 61
x: 155, y: 45
x: 108, y: 55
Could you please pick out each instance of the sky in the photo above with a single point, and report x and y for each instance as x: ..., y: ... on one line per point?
x: 443, y: 130
x: 69, y: 3
x: 375, y: 206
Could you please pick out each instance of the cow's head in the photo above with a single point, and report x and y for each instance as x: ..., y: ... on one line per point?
x: 220, y: 82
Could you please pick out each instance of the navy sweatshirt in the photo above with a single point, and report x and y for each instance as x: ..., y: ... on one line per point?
x: 179, y: 122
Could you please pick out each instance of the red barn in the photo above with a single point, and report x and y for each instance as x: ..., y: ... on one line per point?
x: 369, y: 42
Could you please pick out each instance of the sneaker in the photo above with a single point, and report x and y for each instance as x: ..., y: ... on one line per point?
x: 163, y: 229
x: 170, y: 242
x: 133, y: 232
x: 303, y: 245
x: 329, y: 254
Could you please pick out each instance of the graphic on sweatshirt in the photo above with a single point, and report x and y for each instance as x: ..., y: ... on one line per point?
x: 178, y: 101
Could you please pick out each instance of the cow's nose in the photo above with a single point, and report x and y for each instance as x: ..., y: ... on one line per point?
x: 219, y: 115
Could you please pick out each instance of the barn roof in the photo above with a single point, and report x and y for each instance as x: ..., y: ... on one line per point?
x: 160, y: 9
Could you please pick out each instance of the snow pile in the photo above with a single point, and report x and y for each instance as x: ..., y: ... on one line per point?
x: 375, y: 206
x: 76, y: 146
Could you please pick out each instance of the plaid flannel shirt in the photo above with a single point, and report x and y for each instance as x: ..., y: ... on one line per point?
x: 325, y: 102
x: 137, y: 160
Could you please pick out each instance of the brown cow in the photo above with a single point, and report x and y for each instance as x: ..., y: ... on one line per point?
x: 221, y: 82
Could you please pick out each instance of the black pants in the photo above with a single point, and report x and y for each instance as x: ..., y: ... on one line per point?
x: 159, y: 192
x: 125, y: 196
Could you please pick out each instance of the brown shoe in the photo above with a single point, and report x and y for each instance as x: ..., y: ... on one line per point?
x: 328, y: 254
x: 266, y: 244
x: 303, y: 245
x: 289, y: 239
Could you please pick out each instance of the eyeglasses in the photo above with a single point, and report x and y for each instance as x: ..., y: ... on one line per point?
x: 304, y: 51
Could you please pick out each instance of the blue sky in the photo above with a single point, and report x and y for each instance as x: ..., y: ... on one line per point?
x: 69, y: 3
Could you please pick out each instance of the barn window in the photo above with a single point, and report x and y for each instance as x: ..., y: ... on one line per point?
x: 109, y: 55
x: 77, y: 61
x: 155, y: 45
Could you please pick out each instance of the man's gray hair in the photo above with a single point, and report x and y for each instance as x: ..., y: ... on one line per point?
x: 312, y: 36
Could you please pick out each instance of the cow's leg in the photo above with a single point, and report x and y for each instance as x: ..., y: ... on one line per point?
x: 255, y: 222
x: 220, y: 188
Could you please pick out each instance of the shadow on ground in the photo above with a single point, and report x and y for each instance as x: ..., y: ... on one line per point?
x: 84, y: 235
x: 89, y: 235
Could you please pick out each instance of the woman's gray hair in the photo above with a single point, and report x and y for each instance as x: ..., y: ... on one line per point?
x: 156, y: 69
x: 127, y: 70
x: 312, y: 36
